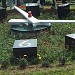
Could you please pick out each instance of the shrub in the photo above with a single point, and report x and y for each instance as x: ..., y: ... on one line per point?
x: 48, y: 57
x: 23, y: 63
x: 34, y: 61
x: 13, y: 60
x: 62, y: 61
x: 73, y: 56
x: 72, y: 53
x: 5, y: 64
x: 62, y: 57
x: 45, y: 63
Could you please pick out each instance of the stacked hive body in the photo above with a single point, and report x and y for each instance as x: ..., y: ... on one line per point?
x: 63, y: 10
x: 34, y: 8
x: 2, y: 13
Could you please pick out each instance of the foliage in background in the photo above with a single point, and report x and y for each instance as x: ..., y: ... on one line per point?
x: 50, y: 44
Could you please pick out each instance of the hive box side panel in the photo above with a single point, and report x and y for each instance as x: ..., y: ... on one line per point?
x: 20, y: 52
x: 69, y: 42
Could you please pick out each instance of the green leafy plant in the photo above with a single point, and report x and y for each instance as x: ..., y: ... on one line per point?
x: 13, y: 60
x: 62, y: 61
x: 48, y: 57
x: 23, y: 63
x: 45, y: 63
x: 71, y: 53
x: 62, y: 57
x: 73, y: 56
x: 34, y: 61
x: 5, y: 64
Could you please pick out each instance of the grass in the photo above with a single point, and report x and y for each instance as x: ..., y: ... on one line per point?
x: 36, y: 70
x: 51, y: 44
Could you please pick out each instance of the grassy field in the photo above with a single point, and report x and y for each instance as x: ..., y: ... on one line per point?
x: 36, y: 70
x: 50, y: 44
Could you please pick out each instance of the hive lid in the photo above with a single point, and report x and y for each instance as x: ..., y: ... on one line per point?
x: 25, y: 43
x: 32, y: 4
x: 64, y: 4
x: 71, y: 35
